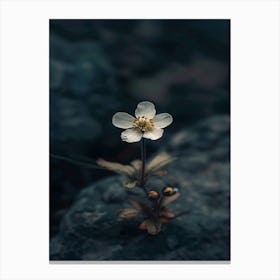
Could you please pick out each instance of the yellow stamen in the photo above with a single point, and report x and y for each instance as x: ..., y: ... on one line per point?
x: 143, y: 124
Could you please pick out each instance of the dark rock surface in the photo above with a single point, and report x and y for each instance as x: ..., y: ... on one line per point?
x: 83, y: 90
x: 90, y: 230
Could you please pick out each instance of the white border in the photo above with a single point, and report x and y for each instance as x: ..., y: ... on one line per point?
x: 255, y: 138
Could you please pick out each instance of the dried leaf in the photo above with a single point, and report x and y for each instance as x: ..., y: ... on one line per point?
x: 153, y: 227
x: 159, y: 161
x: 164, y: 220
x: 117, y: 167
x: 83, y: 162
x: 168, y: 199
x: 143, y: 225
x: 161, y: 172
x: 137, y: 164
x: 128, y: 213
x: 137, y: 204
x: 167, y: 214
x: 129, y: 184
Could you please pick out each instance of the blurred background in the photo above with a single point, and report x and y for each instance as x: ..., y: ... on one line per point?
x: 99, y: 67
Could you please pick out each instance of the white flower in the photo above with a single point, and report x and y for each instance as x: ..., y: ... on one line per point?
x: 145, y: 123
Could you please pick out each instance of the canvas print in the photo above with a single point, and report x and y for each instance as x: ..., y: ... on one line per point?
x: 139, y: 140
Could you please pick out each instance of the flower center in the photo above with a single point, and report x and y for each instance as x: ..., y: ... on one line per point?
x: 143, y: 124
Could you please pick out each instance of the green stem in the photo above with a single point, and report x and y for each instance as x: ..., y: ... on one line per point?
x: 143, y: 159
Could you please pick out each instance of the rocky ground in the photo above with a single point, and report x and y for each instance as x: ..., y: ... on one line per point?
x: 90, y: 230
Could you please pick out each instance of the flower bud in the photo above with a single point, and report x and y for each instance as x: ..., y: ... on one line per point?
x: 168, y: 191
x: 153, y: 194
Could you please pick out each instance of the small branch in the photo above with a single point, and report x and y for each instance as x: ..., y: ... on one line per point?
x: 158, y: 206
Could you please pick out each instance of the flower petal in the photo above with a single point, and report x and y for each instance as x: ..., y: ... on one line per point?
x: 145, y: 109
x: 131, y: 135
x: 162, y: 120
x: 153, y: 134
x: 123, y: 120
